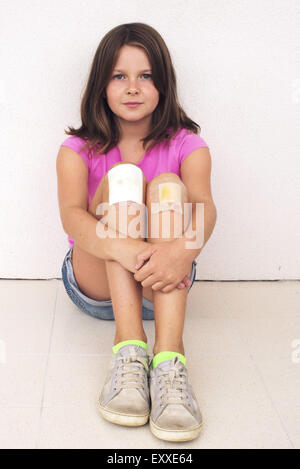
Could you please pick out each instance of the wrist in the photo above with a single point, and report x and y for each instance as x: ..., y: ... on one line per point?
x: 180, y: 246
x: 118, y: 245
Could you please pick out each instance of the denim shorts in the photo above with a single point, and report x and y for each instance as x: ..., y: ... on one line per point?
x: 100, y: 309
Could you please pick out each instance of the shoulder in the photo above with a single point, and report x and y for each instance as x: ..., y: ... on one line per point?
x: 186, y: 142
x: 195, y: 167
x: 77, y: 144
x: 188, y: 138
x: 74, y: 142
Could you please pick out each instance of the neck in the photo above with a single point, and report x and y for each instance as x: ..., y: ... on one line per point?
x: 133, y: 132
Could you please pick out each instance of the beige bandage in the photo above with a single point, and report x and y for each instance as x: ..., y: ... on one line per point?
x: 125, y: 183
x: 169, y: 198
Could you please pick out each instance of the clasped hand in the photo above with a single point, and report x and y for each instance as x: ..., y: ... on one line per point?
x: 166, y: 268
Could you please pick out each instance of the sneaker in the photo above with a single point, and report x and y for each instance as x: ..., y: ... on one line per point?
x: 125, y: 399
x: 175, y: 414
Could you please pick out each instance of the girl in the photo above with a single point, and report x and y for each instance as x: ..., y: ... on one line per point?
x: 128, y: 279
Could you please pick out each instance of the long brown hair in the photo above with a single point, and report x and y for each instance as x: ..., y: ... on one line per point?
x: 99, y: 127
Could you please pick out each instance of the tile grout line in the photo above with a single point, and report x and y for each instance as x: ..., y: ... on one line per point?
x: 229, y: 315
x: 271, y: 400
x: 46, y: 369
x: 258, y: 372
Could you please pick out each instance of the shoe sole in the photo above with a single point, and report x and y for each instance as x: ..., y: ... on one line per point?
x: 123, y: 419
x: 175, y: 435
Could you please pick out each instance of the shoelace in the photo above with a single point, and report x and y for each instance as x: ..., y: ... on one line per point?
x: 173, y: 383
x: 131, y: 371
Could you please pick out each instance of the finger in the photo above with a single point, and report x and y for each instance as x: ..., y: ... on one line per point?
x: 139, y: 264
x: 158, y: 285
x: 142, y: 274
x: 187, y: 281
x: 149, y: 281
x: 168, y: 288
x: 184, y: 283
x: 144, y: 256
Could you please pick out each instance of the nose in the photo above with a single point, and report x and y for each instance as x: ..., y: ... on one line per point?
x: 132, y: 88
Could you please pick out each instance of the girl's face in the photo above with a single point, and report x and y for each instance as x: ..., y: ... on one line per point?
x: 131, y: 80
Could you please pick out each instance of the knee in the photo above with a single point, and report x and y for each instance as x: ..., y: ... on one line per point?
x: 166, y: 193
x: 166, y: 176
x: 159, y: 188
x: 126, y: 184
x: 127, y: 165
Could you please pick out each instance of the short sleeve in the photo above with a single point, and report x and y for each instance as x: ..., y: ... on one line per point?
x: 190, y: 143
x: 77, y: 143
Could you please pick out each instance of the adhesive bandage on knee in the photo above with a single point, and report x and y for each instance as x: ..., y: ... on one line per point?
x: 169, y: 198
x: 125, y: 183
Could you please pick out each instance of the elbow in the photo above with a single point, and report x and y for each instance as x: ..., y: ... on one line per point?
x: 215, y: 211
x: 214, y: 207
x: 64, y: 223
x: 64, y: 227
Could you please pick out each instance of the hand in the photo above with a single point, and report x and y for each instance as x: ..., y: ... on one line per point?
x: 166, y: 267
x: 126, y: 250
x: 186, y: 282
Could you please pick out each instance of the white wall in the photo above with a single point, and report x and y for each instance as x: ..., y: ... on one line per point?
x: 238, y: 69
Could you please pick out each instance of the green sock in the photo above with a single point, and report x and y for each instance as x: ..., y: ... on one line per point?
x: 127, y: 342
x: 163, y: 356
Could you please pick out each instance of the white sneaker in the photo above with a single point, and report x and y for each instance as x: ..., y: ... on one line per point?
x: 125, y: 399
x: 175, y: 415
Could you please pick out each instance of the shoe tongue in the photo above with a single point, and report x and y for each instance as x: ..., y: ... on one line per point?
x: 168, y: 364
x: 127, y: 350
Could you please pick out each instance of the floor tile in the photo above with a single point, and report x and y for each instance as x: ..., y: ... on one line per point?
x: 235, y: 405
x: 27, y: 309
x: 205, y: 299
x: 233, y: 400
x: 211, y: 336
x: 74, y: 380
x: 77, y: 332
x: 265, y: 314
x: 82, y: 427
x: 259, y: 298
x: 282, y: 380
x: 19, y: 427
x: 238, y: 339
x: 22, y: 380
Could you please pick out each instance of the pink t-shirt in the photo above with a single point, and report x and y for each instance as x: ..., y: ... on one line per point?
x: 157, y: 160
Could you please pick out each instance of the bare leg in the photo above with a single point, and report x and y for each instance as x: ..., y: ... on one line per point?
x: 126, y: 292
x: 169, y: 308
x: 169, y: 313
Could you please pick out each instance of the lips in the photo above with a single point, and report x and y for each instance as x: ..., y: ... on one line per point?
x: 133, y: 103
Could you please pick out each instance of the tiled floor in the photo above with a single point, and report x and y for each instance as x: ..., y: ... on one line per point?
x: 242, y: 361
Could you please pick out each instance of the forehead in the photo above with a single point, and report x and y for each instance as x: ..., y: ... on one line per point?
x: 132, y: 58
x: 124, y: 71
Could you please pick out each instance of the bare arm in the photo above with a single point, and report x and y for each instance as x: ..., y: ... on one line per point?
x: 81, y: 225
x: 196, y: 175
x: 197, y: 234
